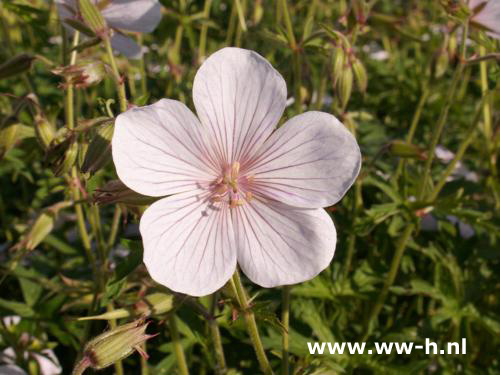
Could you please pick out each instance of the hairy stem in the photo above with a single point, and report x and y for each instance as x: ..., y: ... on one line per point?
x: 457, y: 76
x: 285, y: 320
x: 119, y: 81
x: 179, y: 351
x: 253, y: 331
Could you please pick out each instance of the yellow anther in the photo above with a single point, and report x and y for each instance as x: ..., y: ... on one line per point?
x: 249, y: 196
x: 235, y: 170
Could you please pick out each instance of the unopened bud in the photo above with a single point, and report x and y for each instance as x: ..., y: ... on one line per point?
x: 41, y: 226
x: 339, y: 60
x: 16, y: 65
x: 116, y: 192
x: 116, y: 344
x: 45, y: 131
x: 406, y: 150
x: 83, y: 74
x: 99, y: 151
x: 344, y: 86
x: 62, y: 154
x: 360, y: 74
x: 93, y: 17
x: 8, y: 138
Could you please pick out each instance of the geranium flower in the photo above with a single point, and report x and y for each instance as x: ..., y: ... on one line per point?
x: 486, y: 13
x: 128, y: 15
x: 239, y: 192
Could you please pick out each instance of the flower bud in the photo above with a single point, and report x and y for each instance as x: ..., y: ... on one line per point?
x: 116, y: 344
x: 41, y: 226
x: 99, y: 151
x: 16, y: 65
x: 8, y: 138
x: 83, y: 74
x: 93, y: 17
x: 344, y: 86
x: 406, y: 150
x: 116, y: 192
x: 62, y: 154
x: 45, y: 131
x: 360, y: 74
x: 339, y: 60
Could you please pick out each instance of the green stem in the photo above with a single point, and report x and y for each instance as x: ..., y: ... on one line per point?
x: 144, y: 360
x: 295, y: 56
x: 285, y: 320
x: 443, y: 116
x: 413, y: 127
x: 81, y: 366
x: 487, y: 126
x: 391, y: 276
x: 462, y: 148
x: 232, y: 25
x: 179, y: 351
x: 204, y: 31
x: 241, y: 26
x: 241, y: 14
x: 253, y: 331
x: 114, y: 227
x: 75, y: 192
x: 119, y: 81
x: 288, y: 24
x: 216, y: 339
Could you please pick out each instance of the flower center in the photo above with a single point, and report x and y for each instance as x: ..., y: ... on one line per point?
x: 231, y: 187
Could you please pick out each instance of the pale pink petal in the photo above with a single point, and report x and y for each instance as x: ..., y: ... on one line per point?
x: 240, y: 98
x: 159, y: 150
x: 133, y: 15
x: 189, y: 244
x: 12, y: 370
x: 488, y: 16
x: 126, y: 46
x: 311, y: 161
x: 282, y: 245
x: 66, y: 9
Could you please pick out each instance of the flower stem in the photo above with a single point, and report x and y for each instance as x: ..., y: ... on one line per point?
x: 487, y: 128
x: 216, y: 338
x: 239, y: 291
x: 179, y: 351
x: 297, y: 73
x: 81, y: 366
x: 204, y: 31
x: 391, y: 276
x: 75, y: 192
x: 469, y: 137
x: 120, y: 82
x: 413, y: 127
x: 444, y: 115
x: 114, y: 227
x: 285, y: 320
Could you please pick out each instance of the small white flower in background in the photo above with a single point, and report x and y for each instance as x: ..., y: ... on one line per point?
x: 239, y: 192
x: 460, y: 170
x: 486, y: 13
x: 47, y: 361
x: 429, y: 221
x: 128, y: 15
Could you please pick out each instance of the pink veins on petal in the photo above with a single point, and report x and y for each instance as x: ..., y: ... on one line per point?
x: 235, y: 189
